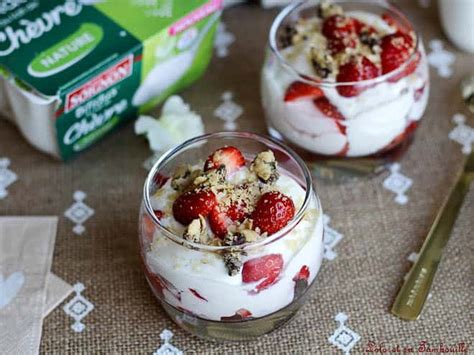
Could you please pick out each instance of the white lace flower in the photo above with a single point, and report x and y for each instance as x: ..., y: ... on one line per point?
x: 176, y: 125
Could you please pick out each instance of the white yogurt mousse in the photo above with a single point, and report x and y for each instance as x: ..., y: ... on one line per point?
x: 372, y: 119
x: 199, y: 281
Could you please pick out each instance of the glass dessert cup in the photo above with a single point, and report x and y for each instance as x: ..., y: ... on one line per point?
x: 190, y: 279
x: 356, y: 133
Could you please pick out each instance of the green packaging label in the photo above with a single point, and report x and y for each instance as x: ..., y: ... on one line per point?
x: 107, y: 62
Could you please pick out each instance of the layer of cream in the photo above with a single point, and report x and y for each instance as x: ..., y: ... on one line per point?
x: 191, y: 271
x: 373, y: 119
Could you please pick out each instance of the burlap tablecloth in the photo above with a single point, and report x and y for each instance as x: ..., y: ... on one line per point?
x: 361, y: 281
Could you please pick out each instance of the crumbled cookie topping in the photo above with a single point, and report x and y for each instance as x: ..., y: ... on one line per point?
x: 265, y: 166
x: 232, y: 262
x: 196, y: 231
x: 326, y: 9
x: 323, y: 63
x: 183, y: 177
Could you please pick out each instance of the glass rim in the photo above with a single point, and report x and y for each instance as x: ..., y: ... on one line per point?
x: 170, y: 154
x: 326, y: 83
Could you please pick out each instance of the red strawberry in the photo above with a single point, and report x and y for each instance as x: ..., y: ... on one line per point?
x: 303, y: 274
x: 338, y: 27
x: 340, y: 32
x: 160, y: 180
x: 299, y: 90
x: 219, y: 222
x: 357, y: 69
x: 266, y: 268
x: 193, y: 204
x: 239, y: 315
x: 231, y: 157
x: 396, y: 49
x: 236, y: 212
x: 273, y: 212
x: 159, y: 214
x: 328, y: 109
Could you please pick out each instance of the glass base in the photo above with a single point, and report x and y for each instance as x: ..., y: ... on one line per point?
x: 230, y: 330
x: 343, y: 169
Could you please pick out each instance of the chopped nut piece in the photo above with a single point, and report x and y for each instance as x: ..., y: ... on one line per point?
x: 196, y: 231
x: 232, y: 263
x: 250, y: 235
x: 265, y: 166
x: 326, y: 9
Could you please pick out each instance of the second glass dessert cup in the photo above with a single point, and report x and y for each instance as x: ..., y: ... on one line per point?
x: 190, y: 279
x: 328, y: 120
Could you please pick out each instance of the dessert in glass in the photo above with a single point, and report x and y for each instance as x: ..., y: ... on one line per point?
x: 230, y: 234
x: 344, y: 78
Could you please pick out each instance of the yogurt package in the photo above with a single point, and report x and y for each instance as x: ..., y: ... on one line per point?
x: 73, y: 70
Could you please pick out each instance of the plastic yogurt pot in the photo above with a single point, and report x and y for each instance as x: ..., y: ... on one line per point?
x: 193, y: 280
x: 330, y: 90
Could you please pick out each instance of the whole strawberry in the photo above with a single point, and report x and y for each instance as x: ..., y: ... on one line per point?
x: 273, y: 212
x: 341, y: 33
x: 193, y: 204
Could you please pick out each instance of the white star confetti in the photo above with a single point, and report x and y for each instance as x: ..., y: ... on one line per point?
x: 7, y: 177
x: 223, y: 41
x: 167, y: 348
x: 441, y: 59
x: 78, y: 307
x: 331, y: 239
x: 79, y: 212
x: 228, y: 111
x: 343, y: 337
x: 462, y: 133
x: 398, y: 183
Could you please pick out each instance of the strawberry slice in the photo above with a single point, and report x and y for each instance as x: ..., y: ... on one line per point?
x: 273, y: 212
x: 230, y: 157
x: 193, y: 204
x: 160, y: 180
x: 396, y: 49
x: 240, y: 314
x: 299, y: 90
x: 328, y: 109
x: 357, y: 69
x: 266, y: 268
x: 197, y: 294
x: 303, y: 274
